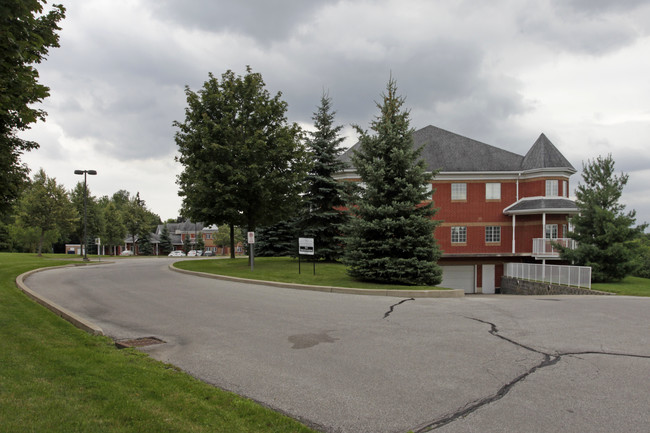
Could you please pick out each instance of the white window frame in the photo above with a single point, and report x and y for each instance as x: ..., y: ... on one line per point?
x: 551, y: 188
x: 459, y: 191
x: 493, y: 191
x: 459, y: 235
x: 565, y: 188
x: 550, y: 231
x: 492, y: 234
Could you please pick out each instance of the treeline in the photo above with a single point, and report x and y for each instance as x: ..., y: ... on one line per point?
x: 46, y: 216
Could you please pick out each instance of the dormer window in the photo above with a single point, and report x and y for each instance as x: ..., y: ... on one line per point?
x: 551, y: 188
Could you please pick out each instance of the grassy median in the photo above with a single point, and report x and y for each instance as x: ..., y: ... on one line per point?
x: 285, y: 269
x: 56, y: 378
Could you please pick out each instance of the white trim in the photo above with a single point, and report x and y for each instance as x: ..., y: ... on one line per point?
x: 481, y: 175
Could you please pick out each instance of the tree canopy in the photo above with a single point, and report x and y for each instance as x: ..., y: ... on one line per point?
x: 46, y: 210
x: 27, y: 35
x: 603, y: 230
x: 321, y: 217
x: 390, y: 235
x: 243, y: 164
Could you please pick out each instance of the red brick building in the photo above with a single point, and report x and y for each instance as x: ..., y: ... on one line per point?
x: 495, y: 206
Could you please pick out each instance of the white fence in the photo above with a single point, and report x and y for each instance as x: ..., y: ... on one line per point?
x: 577, y: 276
x: 545, y: 247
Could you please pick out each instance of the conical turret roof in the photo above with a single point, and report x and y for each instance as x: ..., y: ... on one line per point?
x: 544, y: 154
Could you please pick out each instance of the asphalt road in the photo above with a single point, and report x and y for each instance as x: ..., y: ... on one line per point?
x: 357, y: 364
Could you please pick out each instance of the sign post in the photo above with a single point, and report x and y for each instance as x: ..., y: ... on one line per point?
x: 98, y: 241
x: 306, y: 248
x: 251, y: 244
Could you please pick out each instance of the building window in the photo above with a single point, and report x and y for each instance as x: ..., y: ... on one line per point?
x: 551, y: 231
x: 492, y: 234
x: 458, y: 235
x: 459, y: 191
x: 565, y: 188
x: 493, y: 191
x: 551, y: 188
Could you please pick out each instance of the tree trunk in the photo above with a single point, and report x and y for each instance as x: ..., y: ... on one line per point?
x: 40, y: 243
x: 232, y: 241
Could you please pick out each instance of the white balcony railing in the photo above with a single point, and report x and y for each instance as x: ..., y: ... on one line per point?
x: 545, y: 248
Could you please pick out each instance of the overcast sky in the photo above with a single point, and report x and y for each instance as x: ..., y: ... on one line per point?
x: 500, y: 72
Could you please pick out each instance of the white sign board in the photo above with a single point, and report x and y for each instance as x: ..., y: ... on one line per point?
x: 306, y: 246
x: 251, y: 237
x: 98, y: 241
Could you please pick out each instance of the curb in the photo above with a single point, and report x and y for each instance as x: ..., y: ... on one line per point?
x: 452, y: 293
x: 71, y: 317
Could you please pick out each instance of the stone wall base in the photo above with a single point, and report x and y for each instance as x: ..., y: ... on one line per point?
x: 516, y: 286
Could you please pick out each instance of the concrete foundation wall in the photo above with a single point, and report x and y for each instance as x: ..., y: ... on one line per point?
x: 516, y: 286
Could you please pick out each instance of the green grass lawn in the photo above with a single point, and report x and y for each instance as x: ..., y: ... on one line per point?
x: 630, y: 286
x: 56, y: 378
x: 285, y: 269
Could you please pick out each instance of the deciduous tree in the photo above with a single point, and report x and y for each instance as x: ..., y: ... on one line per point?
x: 45, y: 208
x: 27, y: 32
x: 242, y: 162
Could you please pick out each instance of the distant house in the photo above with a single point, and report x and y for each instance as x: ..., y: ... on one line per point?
x: 178, y: 232
x: 495, y: 206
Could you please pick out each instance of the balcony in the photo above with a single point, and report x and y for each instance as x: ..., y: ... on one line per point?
x: 543, y: 248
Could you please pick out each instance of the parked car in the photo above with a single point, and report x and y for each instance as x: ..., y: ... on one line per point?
x: 176, y: 253
x: 192, y: 253
x: 208, y: 253
x: 126, y: 253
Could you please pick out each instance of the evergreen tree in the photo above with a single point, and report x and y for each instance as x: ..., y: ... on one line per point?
x: 604, y: 232
x: 166, y: 245
x: 200, y: 243
x: 390, y: 235
x: 94, y: 217
x: 145, y: 248
x: 187, y: 244
x: 278, y: 240
x: 322, y: 216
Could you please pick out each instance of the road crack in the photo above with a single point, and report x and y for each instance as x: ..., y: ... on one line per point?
x: 549, y: 360
x: 392, y: 307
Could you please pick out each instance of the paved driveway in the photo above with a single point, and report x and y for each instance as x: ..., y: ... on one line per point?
x: 355, y: 364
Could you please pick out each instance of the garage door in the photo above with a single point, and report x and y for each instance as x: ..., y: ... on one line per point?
x: 458, y: 277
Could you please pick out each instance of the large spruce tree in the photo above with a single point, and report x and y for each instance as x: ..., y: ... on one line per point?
x: 605, y: 233
x: 390, y: 235
x: 322, y: 216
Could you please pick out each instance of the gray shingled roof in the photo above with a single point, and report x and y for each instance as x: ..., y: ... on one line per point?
x: 541, y: 204
x: 544, y: 154
x: 449, y: 152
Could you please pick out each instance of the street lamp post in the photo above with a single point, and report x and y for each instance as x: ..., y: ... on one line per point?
x: 85, y: 243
